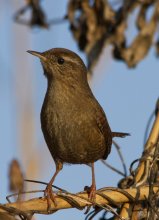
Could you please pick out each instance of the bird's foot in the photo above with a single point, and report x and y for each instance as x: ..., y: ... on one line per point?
x: 91, y: 192
x: 91, y: 195
x: 50, y: 196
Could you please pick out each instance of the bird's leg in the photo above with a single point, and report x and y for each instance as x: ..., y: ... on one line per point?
x: 92, y: 190
x: 48, y: 193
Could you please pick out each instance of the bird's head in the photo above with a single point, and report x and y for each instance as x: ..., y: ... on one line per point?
x: 60, y: 63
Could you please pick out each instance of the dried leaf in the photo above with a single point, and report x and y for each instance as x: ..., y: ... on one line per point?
x: 142, y: 43
x: 16, y: 177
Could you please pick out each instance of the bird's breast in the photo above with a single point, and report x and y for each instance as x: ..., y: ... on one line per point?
x: 70, y: 131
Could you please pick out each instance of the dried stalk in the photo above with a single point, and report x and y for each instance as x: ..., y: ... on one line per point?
x: 142, y: 171
x: 141, y: 174
x: 64, y: 201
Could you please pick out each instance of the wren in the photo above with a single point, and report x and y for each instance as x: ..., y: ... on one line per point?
x: 74, y: 124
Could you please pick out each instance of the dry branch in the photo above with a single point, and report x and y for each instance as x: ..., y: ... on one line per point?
x: 143, y: 169
x: 39, y: 205
x: 152, y: 140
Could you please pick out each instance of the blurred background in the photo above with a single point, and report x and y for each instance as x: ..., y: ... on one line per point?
x: 127, y: 95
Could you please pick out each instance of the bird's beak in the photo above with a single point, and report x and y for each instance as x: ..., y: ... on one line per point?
x: 37, y: 54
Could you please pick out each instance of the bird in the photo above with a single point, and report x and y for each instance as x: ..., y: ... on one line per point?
x: 73, y: 123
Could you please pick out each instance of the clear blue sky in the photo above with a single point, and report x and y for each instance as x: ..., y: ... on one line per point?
x: 127, y: 96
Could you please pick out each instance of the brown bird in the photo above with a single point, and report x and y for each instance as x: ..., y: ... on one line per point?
x: 74, y: 125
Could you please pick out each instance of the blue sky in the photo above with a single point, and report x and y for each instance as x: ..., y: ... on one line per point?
x: 128, y: 97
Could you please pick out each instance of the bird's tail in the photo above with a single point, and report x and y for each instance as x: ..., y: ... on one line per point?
x: 120, y: 134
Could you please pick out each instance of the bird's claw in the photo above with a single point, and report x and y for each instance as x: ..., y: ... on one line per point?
x: 91, y: 192
x: 50, y: 196
x: 91, y: 196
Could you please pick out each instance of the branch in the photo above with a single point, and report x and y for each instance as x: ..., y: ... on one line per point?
x: 104, y: 196
x: 150, y: 148
x: 143, y: 169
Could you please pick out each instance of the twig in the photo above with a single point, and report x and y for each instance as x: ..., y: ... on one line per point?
x: 154, y: 113
x: 121, y: 157
x: 117, y: 147
x: 140, y: 174
x: 112, y: 168
x: 44, y: 183
x: 92, y: 214
x: 152, y: 180
x: 148, y: 126
x: 142, y: 171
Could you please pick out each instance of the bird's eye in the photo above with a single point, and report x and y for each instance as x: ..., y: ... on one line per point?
x: 60, y: 61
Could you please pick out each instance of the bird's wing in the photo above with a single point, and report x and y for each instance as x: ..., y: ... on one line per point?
x: 104, y: 128
x: 101, y: 122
